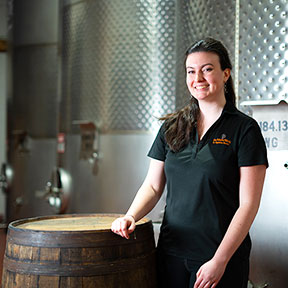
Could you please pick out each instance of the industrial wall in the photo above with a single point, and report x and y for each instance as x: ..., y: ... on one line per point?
x: 90, y: 79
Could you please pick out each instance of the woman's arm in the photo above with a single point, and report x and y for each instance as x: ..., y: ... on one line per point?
x: 251, y: 185
x: 144, y: 201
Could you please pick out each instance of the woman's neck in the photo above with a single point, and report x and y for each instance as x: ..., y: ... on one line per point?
x: 209, y: 113
x: 211, y: 109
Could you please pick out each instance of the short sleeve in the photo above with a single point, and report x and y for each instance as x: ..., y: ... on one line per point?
x: 158, y: 149
x: 252, y: 149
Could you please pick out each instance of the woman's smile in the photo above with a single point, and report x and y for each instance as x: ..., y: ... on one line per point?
x: 201, y: 87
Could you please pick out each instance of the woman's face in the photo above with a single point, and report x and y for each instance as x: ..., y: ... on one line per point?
x: 204, y: 77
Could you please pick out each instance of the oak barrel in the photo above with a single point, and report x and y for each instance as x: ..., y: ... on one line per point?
x: 78, y: 250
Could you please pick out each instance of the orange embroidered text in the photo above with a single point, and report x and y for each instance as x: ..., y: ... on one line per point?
x: 221, y: 141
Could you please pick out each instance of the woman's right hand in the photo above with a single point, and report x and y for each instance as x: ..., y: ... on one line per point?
x: 124, y: 226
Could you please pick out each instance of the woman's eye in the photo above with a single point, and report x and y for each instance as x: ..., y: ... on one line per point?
x: 207, y: 70
x: 190, y: 72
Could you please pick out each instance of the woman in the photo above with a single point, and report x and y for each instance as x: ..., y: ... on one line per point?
x: 213, y: 160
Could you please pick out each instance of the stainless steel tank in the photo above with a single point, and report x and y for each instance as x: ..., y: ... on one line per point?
x: 90, y: 79
x: 32, y: 103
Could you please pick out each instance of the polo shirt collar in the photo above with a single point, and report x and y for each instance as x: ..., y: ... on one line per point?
x: 229, y: 108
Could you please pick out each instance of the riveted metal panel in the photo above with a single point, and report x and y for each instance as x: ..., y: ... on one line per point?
x: 263, y: 51
x: 119, y: 63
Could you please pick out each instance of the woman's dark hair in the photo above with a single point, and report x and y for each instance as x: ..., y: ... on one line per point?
x: 178, y: 125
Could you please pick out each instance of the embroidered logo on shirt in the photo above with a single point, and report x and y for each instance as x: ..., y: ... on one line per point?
x: 221, y: 140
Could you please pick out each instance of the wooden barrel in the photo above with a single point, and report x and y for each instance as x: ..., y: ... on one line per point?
x: 78, y: 251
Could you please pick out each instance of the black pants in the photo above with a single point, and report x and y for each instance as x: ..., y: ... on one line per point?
x: 174, y: 272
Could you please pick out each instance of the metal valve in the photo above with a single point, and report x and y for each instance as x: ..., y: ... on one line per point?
x: 5, y: 177
x: 251, y: 285
x: 57, y: 190
x: 3, y: 181
x: 54, y: 190
x: 90, y: 142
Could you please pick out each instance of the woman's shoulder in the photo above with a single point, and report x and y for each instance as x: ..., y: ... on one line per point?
x: 240, y: 117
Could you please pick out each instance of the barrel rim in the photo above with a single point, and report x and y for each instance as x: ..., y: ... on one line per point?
x: 13, y: 225
x: 73, y: 238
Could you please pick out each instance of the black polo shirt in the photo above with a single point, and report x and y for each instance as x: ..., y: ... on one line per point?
x: 203, y: 184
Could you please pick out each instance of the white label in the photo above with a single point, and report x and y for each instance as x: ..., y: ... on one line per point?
x: 273, y: 122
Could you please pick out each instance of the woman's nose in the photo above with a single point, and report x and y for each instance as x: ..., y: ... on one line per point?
x: 198, y: 76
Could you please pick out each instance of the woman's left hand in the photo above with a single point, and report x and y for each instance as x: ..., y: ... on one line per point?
x: 209, y: 274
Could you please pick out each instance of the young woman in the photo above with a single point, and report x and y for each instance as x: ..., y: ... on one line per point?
x: 213, y: 160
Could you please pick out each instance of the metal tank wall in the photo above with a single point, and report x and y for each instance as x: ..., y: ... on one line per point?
x: 90, y: 108
x: 3, y: 122
x: 262, y: 76
x: 32, y: 104
x: 3, y: 100
x: 118, y: 73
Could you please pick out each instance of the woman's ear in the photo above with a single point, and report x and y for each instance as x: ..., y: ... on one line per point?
x: 227, y: 73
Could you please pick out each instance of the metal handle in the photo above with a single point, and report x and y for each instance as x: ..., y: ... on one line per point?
x: 57, y: 190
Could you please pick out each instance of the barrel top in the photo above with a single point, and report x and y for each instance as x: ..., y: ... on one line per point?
x: 70, y: 222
